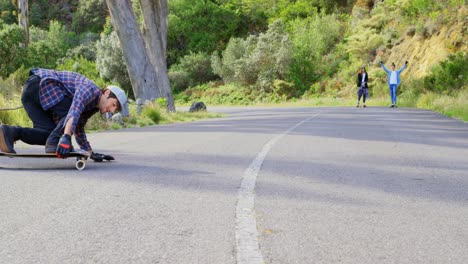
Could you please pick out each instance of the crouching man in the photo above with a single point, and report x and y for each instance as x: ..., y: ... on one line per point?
x: 59, y: 103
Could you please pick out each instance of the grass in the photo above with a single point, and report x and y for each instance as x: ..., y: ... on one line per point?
x: 151, y: 114
x: 453, y: 106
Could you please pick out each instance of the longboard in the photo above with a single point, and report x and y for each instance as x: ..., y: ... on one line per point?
x: 80, y: 163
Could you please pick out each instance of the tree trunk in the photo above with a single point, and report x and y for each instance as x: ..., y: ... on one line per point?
x: 146, y: 78
x: 155, y: 20
x: 23, y: 19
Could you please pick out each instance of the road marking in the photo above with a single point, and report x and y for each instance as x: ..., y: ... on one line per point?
x: 248, y: 249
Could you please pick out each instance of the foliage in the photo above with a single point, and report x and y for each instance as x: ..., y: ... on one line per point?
x: 253, y: 14
x: 152, y: 112
x: 84, y: 67
x: 451, y: 105
x: 415, y: 8
x: 47, y: 47
x: 11, y: 54
x: 296, y: 10
x: 42, y: 12
x: 198, y: 26
x: 8, y: 12
x: 90, y: 16
x: 232, y: 94
x: 450, y: 75
x: 111, y: 63
x: 312, y: 38
x: 192, y: 69
x: 259, y: 60
x: 86, y: 51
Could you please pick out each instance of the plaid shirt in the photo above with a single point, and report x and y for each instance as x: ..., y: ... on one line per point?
x: 55, y: 85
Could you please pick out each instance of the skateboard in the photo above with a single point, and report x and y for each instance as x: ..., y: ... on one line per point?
x: 80, y: 163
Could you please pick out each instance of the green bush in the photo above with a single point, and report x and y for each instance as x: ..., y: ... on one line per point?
x: 312, y: 39
x: 47, y: 47
x: 179, y: 80
x: 198, y: 26
x: 259, y: 60
x: 11, y: 54
x: 86, y: 51
x: 90, y: 15
x: 110, y: 62
x: 82, y: 66
x: 450, y: 75
x: 152, y: 112
x: 193, y: 69
x: 283, y: 88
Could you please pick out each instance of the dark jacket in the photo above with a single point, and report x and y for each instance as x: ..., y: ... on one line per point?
x: 359, y: 80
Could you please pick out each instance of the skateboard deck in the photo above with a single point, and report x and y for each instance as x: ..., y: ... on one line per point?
x: 80, y: 163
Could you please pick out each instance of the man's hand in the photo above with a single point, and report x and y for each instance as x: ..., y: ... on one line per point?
x: 98, y: 157
x: 406, y: 62
x: 381, y: 62
x: 64, y: 146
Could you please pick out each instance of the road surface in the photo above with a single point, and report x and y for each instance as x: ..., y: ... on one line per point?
x: 260, y: 185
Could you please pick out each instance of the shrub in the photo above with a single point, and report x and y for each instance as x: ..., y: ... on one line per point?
x: 258, y: 60
x: 281, y: 88
x: 86, y: 51
x: 83, y: 66
x: 111, y: 63
x: 450, y: 75
x: 47, y: 47
x: 194, y: 68
x: 312, y: 38
x: 152, y: 112
x: 179, y: 80
x: 11, y: 54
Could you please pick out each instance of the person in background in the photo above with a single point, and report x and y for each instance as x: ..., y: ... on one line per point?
x: 59, y: 103
x: 362, y: 80
x: 393, y: 80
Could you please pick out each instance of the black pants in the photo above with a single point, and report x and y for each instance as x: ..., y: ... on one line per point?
x: 44, y: 124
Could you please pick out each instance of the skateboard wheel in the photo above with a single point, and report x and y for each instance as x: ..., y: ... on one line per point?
x: 80, y: 164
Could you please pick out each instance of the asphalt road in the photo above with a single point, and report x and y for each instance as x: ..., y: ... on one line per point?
x: 296, y: 185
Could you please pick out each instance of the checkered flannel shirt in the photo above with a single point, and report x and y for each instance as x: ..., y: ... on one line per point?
x: 55, y: 85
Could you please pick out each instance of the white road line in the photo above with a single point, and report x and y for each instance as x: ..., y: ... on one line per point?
x: 248, y: 249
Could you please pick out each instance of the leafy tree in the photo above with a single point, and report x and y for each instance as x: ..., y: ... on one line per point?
x: 8, y: 12
x: 90, y: 16
x: 43, y: 11
x: 450, y: 75
x: 110, y: 61
x: 313, y: 38
x: 145, y: 48
x: 193, y: 69
x: 259, y: 60
x: 83, y: 66
x: 11, y: 54
x: 198, y: 26
x: 47, y: 47
x: 86, y: 51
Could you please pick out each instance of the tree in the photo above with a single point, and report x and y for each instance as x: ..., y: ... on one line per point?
x: 144, y: 51
x: 11, y: 54
x: 23, y: 19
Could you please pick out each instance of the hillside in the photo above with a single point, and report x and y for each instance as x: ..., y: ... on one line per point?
x: 432, y: 45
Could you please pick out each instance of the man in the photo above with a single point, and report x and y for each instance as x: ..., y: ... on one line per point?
x: 393, y: 80
x: 59, y: 103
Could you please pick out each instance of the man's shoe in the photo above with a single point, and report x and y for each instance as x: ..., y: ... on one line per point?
x: 8, y: 136
x: 364, y: 105
x: 357, y: 105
